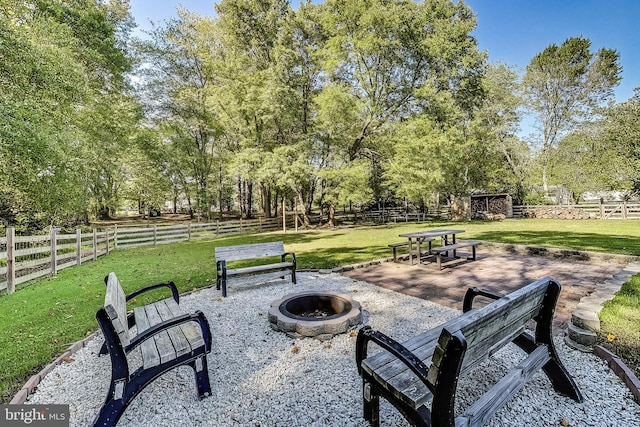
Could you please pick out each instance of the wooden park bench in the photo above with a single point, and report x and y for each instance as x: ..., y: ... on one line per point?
x: 420, y: 376
x: 166, y: 336
x: 454, y: 247
x: 226, y: 254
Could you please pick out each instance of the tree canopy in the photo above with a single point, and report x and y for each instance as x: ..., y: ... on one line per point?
x: 344, y: 103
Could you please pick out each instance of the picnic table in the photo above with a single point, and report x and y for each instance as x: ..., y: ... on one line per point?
x: 423, y: 236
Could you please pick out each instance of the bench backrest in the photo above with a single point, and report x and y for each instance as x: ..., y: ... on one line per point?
x: 488, y: 329
x: 251, y: 251
x: 115, y: 304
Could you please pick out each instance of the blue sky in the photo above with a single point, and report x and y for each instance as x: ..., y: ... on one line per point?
x: 511, y: 31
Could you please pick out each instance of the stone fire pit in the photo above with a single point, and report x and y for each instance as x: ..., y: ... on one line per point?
x: 314, y: 314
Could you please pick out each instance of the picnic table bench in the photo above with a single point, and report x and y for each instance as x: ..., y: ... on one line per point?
x: 166, y: 336
x: 226, y: 254
x: 420, y: 376
x: 454, y: 247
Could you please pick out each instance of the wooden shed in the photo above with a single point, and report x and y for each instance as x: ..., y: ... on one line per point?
x: 494, y: 204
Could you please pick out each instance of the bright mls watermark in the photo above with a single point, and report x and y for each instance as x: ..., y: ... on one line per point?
x: 34, y: 415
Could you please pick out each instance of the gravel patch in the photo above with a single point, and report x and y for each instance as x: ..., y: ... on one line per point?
x: 260, y: 377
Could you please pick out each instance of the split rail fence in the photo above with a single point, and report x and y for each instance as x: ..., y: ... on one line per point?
x: 24, y: 258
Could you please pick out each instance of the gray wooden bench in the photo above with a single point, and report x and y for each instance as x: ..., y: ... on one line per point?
x: 273, y: 270
x: 420, y: 376
x: 454, y: 247
x: 166, y: 336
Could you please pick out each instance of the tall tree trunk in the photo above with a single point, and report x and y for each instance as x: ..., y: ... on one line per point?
x: 249, y: 199
x: 305, y: 216
x: 240, y: 197
x: 332, y: 214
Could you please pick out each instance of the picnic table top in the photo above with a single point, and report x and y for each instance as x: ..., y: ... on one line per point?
x: 431, y: 233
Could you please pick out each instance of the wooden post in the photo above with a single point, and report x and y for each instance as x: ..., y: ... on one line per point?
x: 189, y: 231
x: 624, y: 209
x: 106, y: 233
x: 115, y: 236
x: 54, y: 251
x: 601, y: 209
x: 284, y: 218
x: 78, y: 246
x: 95, y: 245
x: 155, y: 235
x: 11, y: 260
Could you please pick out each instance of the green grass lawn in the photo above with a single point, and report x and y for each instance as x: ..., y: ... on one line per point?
x: 40, y: 320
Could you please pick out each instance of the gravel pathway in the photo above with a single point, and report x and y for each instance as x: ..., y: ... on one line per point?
x: 260, y: 377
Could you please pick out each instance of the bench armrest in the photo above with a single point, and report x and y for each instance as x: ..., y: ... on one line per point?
x: 293, y: 257
x: 403, y: 354
x: 474, y: 292
x: 197, y: 317
x: 169, y: 284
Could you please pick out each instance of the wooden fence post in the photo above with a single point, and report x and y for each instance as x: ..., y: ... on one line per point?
x: 624, y: 209
x: 601, y: 209
x: 11, y: 260
x: 78, y: 246
x: 284, y: 218
x: 106, y: 234
x: 54, y: 251
x: 115, y: 236
x: 189, y: 236
x: 155, y: 235
x: 95, y: 245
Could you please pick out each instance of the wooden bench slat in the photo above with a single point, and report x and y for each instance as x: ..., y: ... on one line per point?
x: 116, y: 307
x: 481, y: 410
x: 257, y: 268
x: 250, y: 251
x: 169, y: 309
x: 458, y: 245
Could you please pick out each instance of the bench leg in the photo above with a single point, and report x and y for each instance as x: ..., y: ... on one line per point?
x: 438, y: 260
x: 293, y: 275
x: 200, y: 368
x: 394, y: 254
x: 473, y: 252
x: 371, y: 404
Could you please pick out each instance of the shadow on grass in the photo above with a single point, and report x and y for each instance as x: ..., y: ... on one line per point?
x: 565, y: 240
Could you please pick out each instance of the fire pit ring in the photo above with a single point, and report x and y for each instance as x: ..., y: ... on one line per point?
x: 314, y: 314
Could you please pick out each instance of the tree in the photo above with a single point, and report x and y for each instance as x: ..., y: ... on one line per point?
x: 496, y: 125
x: 178, y: 67
x: 56, y: 59
x: 564, y: 85
x: 392, y: 60
x: 621, y: 136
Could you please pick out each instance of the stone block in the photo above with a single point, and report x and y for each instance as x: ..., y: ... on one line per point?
x: 586, y: 319
x: 582, y: 336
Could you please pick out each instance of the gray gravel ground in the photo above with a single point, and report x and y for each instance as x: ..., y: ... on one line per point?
x: 260, y: 377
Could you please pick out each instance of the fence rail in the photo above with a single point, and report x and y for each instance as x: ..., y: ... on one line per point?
x: 603, y: 210
x: 24, y: 258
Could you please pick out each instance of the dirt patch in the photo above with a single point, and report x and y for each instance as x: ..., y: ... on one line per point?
x: 495, y: 271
